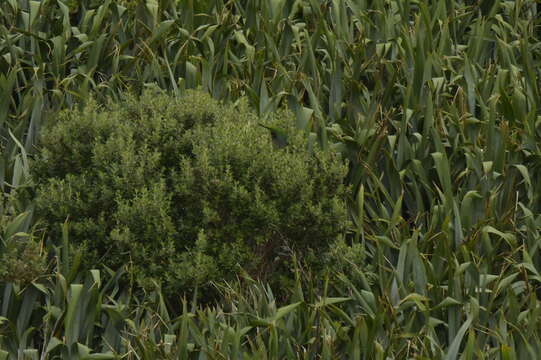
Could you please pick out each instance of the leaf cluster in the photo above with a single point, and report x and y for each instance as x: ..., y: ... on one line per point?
x: 185, y: 190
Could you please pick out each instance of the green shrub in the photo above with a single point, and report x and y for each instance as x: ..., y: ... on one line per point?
x: 186, y: 189
x: 23, y: 258
x: 22, y: 261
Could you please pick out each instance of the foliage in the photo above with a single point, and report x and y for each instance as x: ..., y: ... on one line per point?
x: 434, y: 103
x: 65, y: 314
x: 22, y: 261
x: 22, y: 255
x: 88, y: 316
x: 186, y: 189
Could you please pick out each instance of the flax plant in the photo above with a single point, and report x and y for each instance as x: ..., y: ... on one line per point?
x: 436, y: 104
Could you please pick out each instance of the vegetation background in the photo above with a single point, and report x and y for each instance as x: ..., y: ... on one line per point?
x: 435, y: 105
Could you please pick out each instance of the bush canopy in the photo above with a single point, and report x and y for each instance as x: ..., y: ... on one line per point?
x: 185, y: 189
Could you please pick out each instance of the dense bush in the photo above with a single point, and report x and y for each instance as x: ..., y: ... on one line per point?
x: 185, y: 189
x: 23, y: 257
x: 21, y: 261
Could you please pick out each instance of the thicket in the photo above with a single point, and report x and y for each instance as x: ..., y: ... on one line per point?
x: 436, y: 105
x: 186, y: 190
